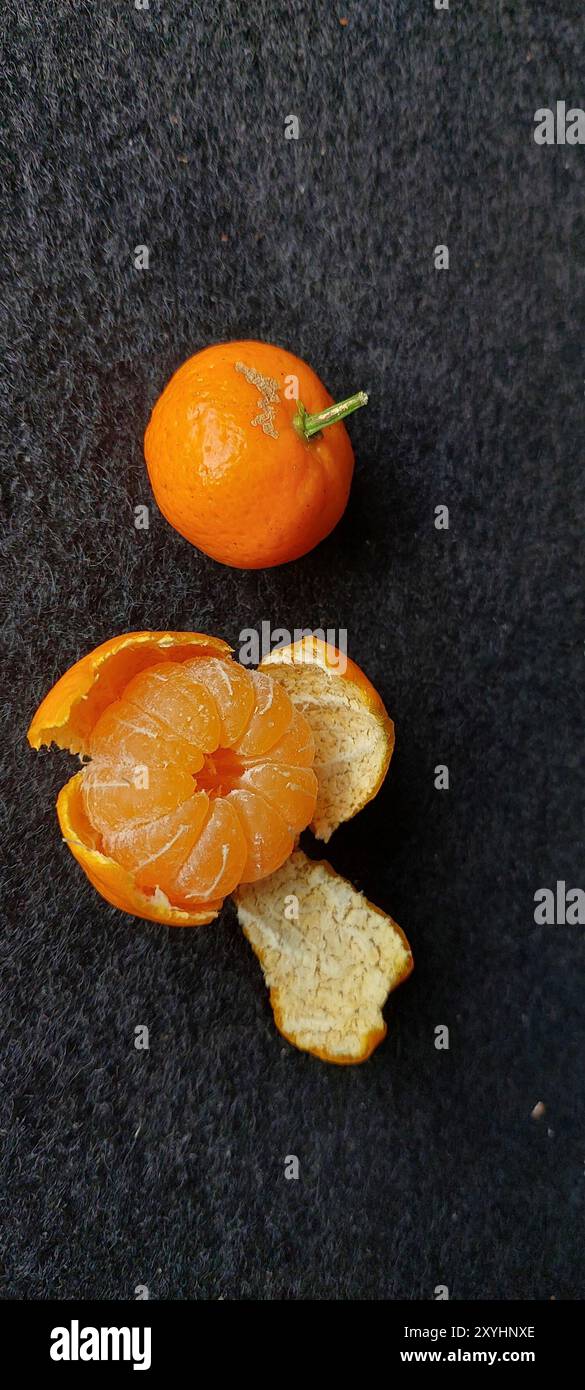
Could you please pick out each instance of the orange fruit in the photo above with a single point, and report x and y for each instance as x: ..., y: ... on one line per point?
x: 198, y: 777
x: 200, y: 774
x: 245, y: 471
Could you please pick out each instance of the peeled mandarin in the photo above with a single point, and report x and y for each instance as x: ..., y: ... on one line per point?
x: 182, y: 787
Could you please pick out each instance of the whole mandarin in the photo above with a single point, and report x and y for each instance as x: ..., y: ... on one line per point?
x: 241, y: 459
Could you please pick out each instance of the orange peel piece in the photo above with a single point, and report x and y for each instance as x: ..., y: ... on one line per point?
x: 353, y: 732
x: 329, y: 957
x: 73, y: 706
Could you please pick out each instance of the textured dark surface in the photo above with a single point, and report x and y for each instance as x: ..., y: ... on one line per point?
x: 166, y: 128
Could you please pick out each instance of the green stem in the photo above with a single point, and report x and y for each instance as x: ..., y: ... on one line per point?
x: 307, y: 425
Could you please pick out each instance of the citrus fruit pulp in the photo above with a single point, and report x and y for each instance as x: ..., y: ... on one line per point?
x: 186, y: 785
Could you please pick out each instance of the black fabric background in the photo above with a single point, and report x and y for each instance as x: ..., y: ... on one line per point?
x: 166, y: 127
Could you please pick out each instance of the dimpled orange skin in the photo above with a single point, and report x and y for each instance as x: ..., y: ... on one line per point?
x: 247, y: 499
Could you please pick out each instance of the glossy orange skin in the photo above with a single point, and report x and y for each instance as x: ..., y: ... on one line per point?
x: 247, y: 499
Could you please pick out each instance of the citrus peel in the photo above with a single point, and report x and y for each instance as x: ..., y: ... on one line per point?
x: 353, y: 732
x: 73, y: 705
x: 329, y: 958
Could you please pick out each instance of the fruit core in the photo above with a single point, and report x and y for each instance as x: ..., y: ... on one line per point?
x: 220, y: 774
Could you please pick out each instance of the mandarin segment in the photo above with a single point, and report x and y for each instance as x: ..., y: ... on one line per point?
x: 156, y: 852
x: 232, y: 689
x: 291, y: 790
x: 268, y: 838
x: 271, y: 719
x: 296, y: 748
x: 114, y: 796
x: 133, y: 738
x: 216, y: 862
x: 178, y: 703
